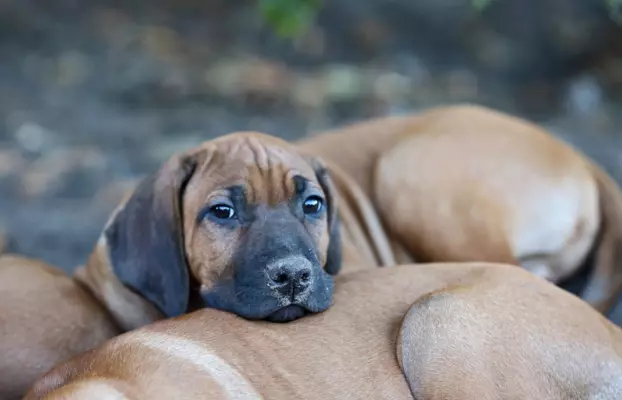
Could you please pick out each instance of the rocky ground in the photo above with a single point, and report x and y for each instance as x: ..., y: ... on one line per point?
x: 95, y: 94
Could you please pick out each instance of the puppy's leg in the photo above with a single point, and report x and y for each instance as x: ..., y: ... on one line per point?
x: 515, y: 337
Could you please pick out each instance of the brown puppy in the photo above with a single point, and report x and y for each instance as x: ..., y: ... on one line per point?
x: 45, y: 318
x: 466, y: 183
x: 245, y: 223
x: 496, y: 339
x: 451, y: 184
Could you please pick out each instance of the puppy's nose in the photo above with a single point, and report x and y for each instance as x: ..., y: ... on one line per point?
x: 291, y: 278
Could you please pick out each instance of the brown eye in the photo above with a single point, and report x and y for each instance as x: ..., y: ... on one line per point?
x: 222, y: 211
x: 312, y: 205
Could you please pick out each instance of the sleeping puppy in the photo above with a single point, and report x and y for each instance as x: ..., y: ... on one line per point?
x: 467, y: 183
x: 436, y: 331
x: 45, y: 318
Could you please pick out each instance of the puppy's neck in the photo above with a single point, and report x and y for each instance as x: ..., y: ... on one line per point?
x: 130, y: 310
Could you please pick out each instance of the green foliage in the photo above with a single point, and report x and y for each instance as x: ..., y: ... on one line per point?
x: 289, y: 18
x: 480, y: 5
x: 615, y: 9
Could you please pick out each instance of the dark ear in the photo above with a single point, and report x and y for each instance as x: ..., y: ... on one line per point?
x: 145, y: 239
x: 333, y: 255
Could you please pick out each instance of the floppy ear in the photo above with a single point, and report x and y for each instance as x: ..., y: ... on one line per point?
x: 333, y: 254
x: 145, y: 238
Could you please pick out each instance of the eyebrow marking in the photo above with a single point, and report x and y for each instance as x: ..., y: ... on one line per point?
x: 237, y: 194
x: 300, y: 184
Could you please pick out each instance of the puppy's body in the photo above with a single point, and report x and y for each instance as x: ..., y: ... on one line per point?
x: 465, y: 183
x: 510, y: 336
x: 349, y: 351
x: 45, y: 318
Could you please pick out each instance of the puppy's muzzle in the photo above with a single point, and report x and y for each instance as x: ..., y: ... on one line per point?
x: 290, y: 278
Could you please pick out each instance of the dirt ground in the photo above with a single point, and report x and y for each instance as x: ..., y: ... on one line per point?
x: 96, y: 94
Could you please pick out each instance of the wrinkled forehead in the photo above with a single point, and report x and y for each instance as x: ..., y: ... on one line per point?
x: 267, y: 169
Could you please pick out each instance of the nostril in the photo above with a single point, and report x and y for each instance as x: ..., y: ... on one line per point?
x: 281, y: 277
x: 305, y: 276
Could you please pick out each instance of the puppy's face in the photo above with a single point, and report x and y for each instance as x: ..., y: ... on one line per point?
x: 245, y: 220
x: 256, y: 230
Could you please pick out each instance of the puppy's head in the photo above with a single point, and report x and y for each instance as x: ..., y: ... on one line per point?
x: 245, y: 221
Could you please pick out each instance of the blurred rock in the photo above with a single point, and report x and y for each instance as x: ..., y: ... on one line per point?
x: 343, y: 82
x: 72, y: 68
x: 392, y: 86
x: 109, y: 196
x: 371, y: 34
x: 312, y: 42
x: 309, y: 93
x: 162, y: 42
x: 31, y: 136
x: 163, y: 149
x: 11, y: 162
x: 253, y: 80
x: 47, y: 173
x: 266, y: 78
x: 111, y: 24
x: 224, y: 77
x: 584, y: 96
x: 462, y: 85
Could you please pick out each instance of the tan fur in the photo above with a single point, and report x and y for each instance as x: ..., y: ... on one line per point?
x: 459, y: 183
x: 467, y: 183
x: 129, y: 309
x: 263, y: 163
x: 509, y: 339
x: 45, y: 318
x: 470, y: 330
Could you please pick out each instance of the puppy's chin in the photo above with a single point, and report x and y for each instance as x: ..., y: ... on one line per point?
x: 287, y: 313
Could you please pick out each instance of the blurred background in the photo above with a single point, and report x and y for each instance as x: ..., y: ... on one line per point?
x: 96, y: 94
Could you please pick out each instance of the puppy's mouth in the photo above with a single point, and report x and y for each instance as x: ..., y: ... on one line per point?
x: 287, y: 313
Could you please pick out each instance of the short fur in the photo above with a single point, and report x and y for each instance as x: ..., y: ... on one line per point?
x: 459, y: 183
x: 467, y: 183
x: 45, y: 318
x: 470, y: 330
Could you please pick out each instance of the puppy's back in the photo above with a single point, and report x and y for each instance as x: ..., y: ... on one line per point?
x: 346, y: 352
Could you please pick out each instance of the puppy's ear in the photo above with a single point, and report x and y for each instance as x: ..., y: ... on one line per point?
x: 333, y: 254
x: 145, y: 238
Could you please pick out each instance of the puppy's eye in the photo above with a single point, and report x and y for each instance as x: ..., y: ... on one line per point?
x: 312, y: 205
x: 222, y: 211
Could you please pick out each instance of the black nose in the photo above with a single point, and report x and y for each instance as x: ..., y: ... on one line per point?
x: 290, y: 279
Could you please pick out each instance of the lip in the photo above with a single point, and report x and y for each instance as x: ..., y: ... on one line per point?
x: 287, y: 313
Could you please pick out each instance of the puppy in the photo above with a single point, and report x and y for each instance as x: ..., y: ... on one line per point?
x: 467, y: 183
x: 245, y: 223
x: 45, y: 318
x: 216, y: 225
x: 444, y: 331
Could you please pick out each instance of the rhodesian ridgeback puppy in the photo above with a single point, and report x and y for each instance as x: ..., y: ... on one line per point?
x: 45, y: 318
x: 446, y: 331
x: 245, y: 223
x: 466, y: 183
x: 254, y: 225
